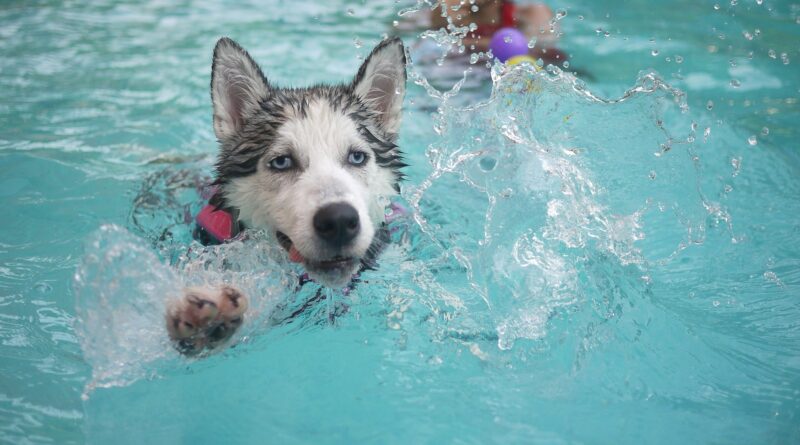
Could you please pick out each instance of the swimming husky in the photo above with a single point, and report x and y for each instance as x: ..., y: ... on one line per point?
x: 313, y: 166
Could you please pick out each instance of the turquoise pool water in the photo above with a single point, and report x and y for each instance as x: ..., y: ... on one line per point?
x: 615, y: 261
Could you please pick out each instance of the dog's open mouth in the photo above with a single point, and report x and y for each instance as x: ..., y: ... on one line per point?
x: 329, y: 264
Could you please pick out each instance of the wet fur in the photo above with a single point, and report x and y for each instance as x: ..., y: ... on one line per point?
x: 318, y: 127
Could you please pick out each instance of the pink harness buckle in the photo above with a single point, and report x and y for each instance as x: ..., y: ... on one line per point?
x: 216, y: 222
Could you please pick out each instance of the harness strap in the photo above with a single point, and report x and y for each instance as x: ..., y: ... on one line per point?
x: 218, y: 224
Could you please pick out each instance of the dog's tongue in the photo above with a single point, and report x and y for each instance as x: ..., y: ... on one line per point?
x: 295, y: 256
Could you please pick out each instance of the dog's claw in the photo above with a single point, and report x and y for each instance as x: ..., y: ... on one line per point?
x: 205, y: 318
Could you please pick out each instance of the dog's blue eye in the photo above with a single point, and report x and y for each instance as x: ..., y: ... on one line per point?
x: 281, y: 163
x: 357, y: 157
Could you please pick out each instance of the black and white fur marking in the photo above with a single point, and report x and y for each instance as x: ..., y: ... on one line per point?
x: 314, y: 166
x: 317, y: 128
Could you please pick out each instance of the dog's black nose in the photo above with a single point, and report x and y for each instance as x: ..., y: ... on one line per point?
x: 337, y: 224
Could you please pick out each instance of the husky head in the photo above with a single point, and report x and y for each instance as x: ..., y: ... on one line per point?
x: 313, y: 166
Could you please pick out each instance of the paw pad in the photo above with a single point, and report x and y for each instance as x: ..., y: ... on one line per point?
x: 205, y: 317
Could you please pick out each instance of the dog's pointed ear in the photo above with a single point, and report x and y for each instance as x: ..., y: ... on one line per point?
x: 237, y: 87
x: 381, y: 82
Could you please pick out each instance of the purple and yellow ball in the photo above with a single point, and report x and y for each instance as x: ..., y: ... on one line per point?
x: 507, y: 43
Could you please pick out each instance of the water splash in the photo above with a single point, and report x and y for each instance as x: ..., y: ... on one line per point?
x: 122, y: 290
x: 120, y: 305
x: 545, y: 184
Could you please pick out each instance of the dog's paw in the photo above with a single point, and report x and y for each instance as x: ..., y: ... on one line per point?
x: 205, y: 317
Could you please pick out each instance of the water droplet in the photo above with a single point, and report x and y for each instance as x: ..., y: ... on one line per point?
x: 350, y: 12
x: 560, y: 14
x: 507, y: 39
x: 43, y: 287
x: 473, y: 58
x: 734, y: 2
x: 395, y: 23
x: 735, y: 83
x: 764, y: 131
x: 772, y: 277
x: 785, y: 58
x: 565, y: 64
x: 652, y: 174
x: 772, y: 54
x: 654, y: 52
x: 678, y: 59
x: 580, y: 17
x: 770, y: 262
x: 532, y: 42
x: 710, y: 105
x: 736, y: 163
x: 715, y: 303
x: 752, y: 140
x: 716, y: 6
x: 759, y: 2
x: 488, y: 163
x: 747, y: 35
x: 474, y: 8
x: 357, y: 42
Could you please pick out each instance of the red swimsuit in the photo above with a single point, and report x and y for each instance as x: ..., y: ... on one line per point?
x: 507, y: 20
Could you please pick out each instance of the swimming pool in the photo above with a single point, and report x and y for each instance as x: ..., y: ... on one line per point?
x: 578, y: 269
